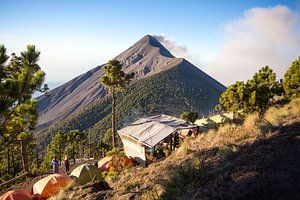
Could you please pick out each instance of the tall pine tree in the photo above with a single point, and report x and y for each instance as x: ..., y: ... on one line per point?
x: 115, y: 80
x: 19, y: 79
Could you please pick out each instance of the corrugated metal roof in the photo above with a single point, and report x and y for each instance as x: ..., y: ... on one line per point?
x: 152, y: 130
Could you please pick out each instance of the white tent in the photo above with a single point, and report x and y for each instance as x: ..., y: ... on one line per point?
x: 149, y: 132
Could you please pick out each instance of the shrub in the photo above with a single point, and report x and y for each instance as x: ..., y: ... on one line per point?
x: 111, y: 175
x: 291, y: 82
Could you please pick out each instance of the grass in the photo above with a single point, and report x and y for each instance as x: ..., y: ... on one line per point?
x: 209, y: 156
x: 276, y: 116
x: 60, y: 196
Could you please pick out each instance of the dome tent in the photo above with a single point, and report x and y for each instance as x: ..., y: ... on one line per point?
x: 104, y: 162
x: 51, y: 185
x: 16, y: 195
x: 85, y: 173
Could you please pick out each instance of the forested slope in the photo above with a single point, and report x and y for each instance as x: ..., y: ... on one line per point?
x: 171, y: 92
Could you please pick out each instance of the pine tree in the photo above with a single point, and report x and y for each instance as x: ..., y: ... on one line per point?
x: 19, y: 79
x: 254, y: 96
x: 115, y: 80
x: 291, y: 82
x: 74, y: 140
x: 189, y: 117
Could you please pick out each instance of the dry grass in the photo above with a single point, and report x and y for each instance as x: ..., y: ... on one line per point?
x: 60, y: 196
x: 227, y: 139
x: 276, y: 116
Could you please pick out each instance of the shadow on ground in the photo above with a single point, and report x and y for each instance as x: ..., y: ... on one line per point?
x: 266, y: 169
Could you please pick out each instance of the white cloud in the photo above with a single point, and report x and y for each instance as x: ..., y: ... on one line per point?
x: 262, y: 36
x: 178, y: 50
x: 172, y: 46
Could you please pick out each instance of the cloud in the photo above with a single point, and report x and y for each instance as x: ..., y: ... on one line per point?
x: 262, y: 36
x: 180, y: 51
x: 176, y: 49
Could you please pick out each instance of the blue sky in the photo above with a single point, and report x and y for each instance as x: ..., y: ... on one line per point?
x: 75, y: 36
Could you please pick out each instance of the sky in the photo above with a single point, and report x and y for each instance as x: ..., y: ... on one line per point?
x: 230, y: 40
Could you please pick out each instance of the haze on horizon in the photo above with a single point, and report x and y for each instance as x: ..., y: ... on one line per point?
x: 229, y: 40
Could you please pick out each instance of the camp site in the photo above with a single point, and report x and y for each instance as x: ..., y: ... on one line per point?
x: 144, y: 141
x: 154, y: 137
x: 150, y: 100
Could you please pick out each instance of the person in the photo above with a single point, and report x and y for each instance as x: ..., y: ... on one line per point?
x: 54, y: 165
x: 96, y: 164
x: 67, y: 164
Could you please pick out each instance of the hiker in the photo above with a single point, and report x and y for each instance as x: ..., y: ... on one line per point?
x: 67, y: 164
x: 96, y: 164
x: 54, y: 165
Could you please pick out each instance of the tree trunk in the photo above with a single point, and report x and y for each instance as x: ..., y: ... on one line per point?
x: 37, y: 157
x: 8, y: 160
x: 89, y: 144
x: 113, y: 119
x: 24, y: 156
x: 73, y: 153
x: 59, y: 152
x: 82, y: 151
x: 14, y: 171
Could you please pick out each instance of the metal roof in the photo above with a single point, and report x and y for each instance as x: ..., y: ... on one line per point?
x: 150, y: 131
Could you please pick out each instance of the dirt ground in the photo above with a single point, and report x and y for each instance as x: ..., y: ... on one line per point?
x: 29, y: 182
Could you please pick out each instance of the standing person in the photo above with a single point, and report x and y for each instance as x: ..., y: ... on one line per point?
x: 54, y: 165
x: 96, y: 164
x: 67, y: 164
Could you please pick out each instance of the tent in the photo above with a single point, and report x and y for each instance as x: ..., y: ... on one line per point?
x: 148, y: 132
x: 205, y: 122
x: 19, y: 194
x: 85, y: 173
x: 51, y: 185
x: 103, y: 163
x: 214, y: 120
x: 111, y: 161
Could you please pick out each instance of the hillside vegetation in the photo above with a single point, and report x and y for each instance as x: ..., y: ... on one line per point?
x: 258, y: 159
x: 169, y: 92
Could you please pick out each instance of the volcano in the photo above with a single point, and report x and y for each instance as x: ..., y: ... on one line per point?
x: 162, y: 84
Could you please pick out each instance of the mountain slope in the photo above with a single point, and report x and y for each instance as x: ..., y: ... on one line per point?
x: 147, y: 59
x: 171, y: 92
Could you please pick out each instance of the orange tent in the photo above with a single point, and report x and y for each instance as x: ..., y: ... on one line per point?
x: 19, y: 194
x: 109, y: 161
x: 51, y: 185
x: 128, y: 161
x: 104, y: 162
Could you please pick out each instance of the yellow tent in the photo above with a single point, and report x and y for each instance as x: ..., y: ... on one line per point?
x: 51, y: 185
x: 85, y: 173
